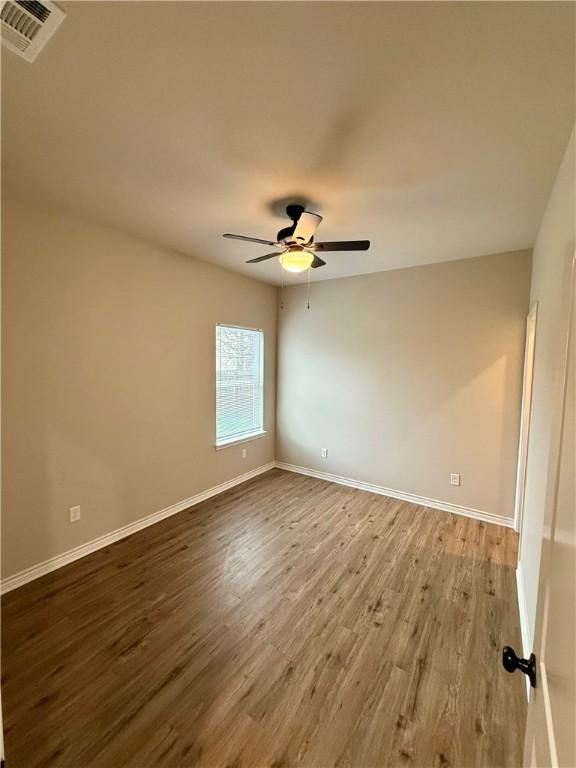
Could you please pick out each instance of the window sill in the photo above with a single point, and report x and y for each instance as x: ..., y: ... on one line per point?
x: 237, y: 440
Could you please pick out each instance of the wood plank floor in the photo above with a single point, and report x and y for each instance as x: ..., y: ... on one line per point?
x: 286, y: 622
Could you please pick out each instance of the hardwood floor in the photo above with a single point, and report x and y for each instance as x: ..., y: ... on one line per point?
x: 286, y: 622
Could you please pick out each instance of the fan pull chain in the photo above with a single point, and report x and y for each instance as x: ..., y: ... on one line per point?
x: 282, y: 289
x: 308, y: 291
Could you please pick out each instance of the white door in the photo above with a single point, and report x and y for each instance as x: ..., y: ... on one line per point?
x: 551, y: 725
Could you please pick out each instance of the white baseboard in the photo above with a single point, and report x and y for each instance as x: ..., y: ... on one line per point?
x: 23, y: 577
x: 41, y: 569
x: 445, y: 506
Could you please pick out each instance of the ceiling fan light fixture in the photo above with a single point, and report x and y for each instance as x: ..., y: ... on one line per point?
x: 296, y: 260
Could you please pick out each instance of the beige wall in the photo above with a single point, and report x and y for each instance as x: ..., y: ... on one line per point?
x: 553, y: 252
x: 108, y: 357
x: 108, y: 379
x: 409, y: 375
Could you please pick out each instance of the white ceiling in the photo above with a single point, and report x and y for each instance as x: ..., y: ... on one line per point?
x: 434, y: 129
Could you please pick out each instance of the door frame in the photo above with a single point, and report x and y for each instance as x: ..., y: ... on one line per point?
x: 525, y: 416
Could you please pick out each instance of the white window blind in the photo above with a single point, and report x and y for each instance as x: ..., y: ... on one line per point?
x: 239, y: 383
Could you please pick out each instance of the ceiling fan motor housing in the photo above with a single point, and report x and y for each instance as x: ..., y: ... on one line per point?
x: 294, y: 211
x: 285, y: 236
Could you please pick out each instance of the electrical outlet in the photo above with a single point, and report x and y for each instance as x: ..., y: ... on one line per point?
x: 455, y: 478
x: 324, y: 453
x: 74, y: 514
x: 244, y: 452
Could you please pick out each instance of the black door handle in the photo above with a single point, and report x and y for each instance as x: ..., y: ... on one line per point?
x: 511, y: 663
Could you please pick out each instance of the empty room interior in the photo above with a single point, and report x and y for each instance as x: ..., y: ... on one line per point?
x: 288, y: 349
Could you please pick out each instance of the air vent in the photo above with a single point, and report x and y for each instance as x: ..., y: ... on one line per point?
x: 27, y: 25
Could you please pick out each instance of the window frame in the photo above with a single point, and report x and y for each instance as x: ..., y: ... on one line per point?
x: 230, y: 441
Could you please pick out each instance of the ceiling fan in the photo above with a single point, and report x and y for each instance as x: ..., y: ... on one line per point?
x: 298, y: 249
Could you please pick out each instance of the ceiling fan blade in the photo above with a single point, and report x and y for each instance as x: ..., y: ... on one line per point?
x: 306, y: 226
x: 250, y: 239
x: 262, y: 258
x: 343, y: 245
x: 318, y: 262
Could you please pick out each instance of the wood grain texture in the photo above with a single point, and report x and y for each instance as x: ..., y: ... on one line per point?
x: 288, y: 622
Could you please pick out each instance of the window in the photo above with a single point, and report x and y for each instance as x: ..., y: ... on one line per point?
x: 239, y: 383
